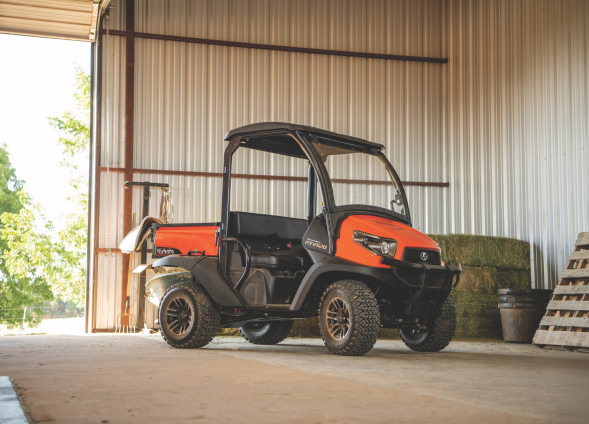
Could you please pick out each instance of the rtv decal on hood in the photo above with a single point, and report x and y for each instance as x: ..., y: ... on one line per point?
x: 316, y: 236
x: 315, y: 243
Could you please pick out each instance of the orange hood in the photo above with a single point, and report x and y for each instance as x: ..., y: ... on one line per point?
x: 404, y: 235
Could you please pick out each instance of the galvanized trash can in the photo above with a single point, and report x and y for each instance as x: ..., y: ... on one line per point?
x: 521, y: 313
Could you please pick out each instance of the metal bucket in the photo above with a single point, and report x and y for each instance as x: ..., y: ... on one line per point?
x: 521, y: 313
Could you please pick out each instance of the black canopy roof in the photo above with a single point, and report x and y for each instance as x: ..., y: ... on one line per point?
x: 274, y: 126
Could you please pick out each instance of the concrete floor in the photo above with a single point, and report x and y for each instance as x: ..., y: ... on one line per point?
x: 138, y: 378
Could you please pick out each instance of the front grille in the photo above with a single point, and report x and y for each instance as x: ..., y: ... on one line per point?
x: 414, y: 256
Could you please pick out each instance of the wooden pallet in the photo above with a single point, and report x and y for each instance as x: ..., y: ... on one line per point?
x: 566, y: 323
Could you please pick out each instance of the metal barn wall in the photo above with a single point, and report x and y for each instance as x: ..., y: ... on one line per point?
x: 516, y: 124
x: 108, y: 282
x: 504, y: 121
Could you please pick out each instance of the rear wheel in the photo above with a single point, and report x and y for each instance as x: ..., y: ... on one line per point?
x: 188, y: 318
x: 266, y: 334
x: 349, y: 318
x: 437, y: 335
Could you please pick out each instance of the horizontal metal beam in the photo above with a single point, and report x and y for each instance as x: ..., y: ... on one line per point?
x: 106, y: 250
x: 279, y: 48
x: 266, y: 177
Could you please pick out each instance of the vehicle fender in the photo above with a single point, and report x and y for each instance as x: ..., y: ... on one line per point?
x: 186, y: 262
x: 158, y: 285
x: 206, y: 271
x: 332, y: 264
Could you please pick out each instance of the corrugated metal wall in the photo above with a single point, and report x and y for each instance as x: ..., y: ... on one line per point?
x: 505, y: 121
x: 108, y: 281
x: 516, y: 115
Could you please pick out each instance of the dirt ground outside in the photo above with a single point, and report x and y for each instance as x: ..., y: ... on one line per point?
x: 113, y: 378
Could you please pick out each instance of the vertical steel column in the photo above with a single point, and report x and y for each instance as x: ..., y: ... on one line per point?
x: 311, y: 194
x: 129, y: 121
x: 97, y: 180
x: 141, y: 300
x: 89, y: 249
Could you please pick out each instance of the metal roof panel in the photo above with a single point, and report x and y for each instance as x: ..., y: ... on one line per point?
x: 62, y: 19
x: 274, y: 126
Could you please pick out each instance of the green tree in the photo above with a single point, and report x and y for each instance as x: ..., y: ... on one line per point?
x: 29, y: 253
x: 20, y: 289
x: 69, y: 277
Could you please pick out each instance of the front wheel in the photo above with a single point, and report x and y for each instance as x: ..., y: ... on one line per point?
x: 437, y: 335
x: 188, y: 318
x: 349, y: 318
x: 266, y: 334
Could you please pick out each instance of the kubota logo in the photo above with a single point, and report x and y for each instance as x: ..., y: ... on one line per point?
x: 315, y: 243
x: 164, y: 251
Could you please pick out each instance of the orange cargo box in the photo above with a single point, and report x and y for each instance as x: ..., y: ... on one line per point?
x: 185, y: 239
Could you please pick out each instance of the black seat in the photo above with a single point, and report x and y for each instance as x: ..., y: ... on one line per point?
x: 257, y: 225
x: 272, y: 261
x: 267, y: 237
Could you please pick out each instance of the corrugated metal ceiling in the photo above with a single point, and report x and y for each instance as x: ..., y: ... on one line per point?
x: 63, y: 19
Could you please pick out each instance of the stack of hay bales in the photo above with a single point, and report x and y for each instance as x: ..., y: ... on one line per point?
x: 488, y: 264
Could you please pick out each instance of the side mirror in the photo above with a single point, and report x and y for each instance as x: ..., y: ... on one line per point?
x: 396, y: 202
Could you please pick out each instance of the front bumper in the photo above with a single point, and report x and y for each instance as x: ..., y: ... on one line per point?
x: 430, y: 285
x: 425, y: 275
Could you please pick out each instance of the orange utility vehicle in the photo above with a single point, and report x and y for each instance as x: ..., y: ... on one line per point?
x: 355, y: 261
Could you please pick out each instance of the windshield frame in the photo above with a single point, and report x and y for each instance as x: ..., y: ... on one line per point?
x: 327, y: 185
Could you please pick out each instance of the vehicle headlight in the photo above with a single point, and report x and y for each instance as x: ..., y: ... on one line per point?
x: 384, y: 248
x: 378, y: 245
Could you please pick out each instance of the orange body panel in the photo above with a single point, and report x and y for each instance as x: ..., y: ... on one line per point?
x: 404, y: 235
x: 189, y: 238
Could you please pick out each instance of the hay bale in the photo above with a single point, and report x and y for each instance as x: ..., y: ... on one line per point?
x: 305, y: 328
x: 477, y: 316
x: 389, y: 334
x: 230, y: 332
x: 488, y: 264
x: 501, y: 252
x: 487, y: 280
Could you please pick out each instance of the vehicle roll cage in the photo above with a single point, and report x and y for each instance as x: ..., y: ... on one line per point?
x: 297, y: 141
x: 225, y: 273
